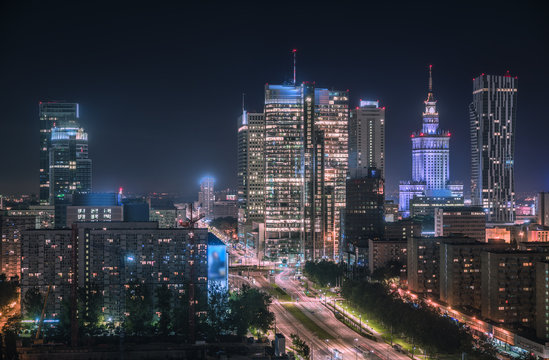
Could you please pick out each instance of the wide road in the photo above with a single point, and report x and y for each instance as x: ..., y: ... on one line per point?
x: 344, y: 339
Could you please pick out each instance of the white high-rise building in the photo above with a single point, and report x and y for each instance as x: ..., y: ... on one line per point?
x: 493, y: 114
x: 206, y: 196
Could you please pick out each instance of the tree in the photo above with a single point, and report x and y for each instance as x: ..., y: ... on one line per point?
x: 181, y: 313
x: 216, y: 322
x: 139, y: 307
x: 324, y: 272
x: 250, y: 308
x: 8, y: 292
x: 33, y: 302
x: 164, y: 307
x: 90, y: 302
x: 301, y: 348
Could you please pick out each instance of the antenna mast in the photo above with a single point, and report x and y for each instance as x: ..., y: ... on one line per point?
x: 430, y: 78
x: 243, y: 107
x: 294, y: 51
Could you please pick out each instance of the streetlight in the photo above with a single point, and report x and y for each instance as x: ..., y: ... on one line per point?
x: 360, y: 322
x: 356, y: 348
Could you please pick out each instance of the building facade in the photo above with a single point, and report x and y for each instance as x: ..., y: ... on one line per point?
x: 542, y: 208
x: 251, y: 172
x: 509, y: 287
x: 493, y: 121
x: 51, y: 114
x: 383, y: 252
x: 364, y: 209
x: 111, y: 257
x: 206, y: 196
x: 306, y: 155
x: 11, y: 227
x: 467, y: 221
x: 367, y: 137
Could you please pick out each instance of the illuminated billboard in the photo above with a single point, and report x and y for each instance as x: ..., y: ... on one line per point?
x: 218, y: 266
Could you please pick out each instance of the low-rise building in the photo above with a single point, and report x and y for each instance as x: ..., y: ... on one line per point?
x: 423, y: 261
x: 460, y: 266
x: 11, y: 227
x: 402, y: 229
x: 464, y: 220
x: 382, y: 252
x: 508, y: 288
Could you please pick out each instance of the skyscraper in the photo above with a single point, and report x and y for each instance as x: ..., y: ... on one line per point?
x: 542, y: 208
x: 51, y: 114
x: 306, y: 154
x: 493, y: 117
x: 284, y: 175
x: 430, y: 159
x: 251, y: 171
x: 70, y: 167
x: 206, y: 196
x: 367, y: 137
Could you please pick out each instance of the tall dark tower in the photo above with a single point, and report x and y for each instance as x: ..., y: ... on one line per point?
x: 51, y: 113
x: 493, y: 115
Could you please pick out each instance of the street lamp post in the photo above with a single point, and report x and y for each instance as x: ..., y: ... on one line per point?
x: 360, y: 322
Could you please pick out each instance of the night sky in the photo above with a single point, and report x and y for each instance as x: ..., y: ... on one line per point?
x: 160, y: 86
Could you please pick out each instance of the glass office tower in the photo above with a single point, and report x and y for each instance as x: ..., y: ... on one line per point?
x: 51, y: 114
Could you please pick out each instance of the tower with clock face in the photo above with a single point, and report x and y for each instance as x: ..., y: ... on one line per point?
x: 430, y: 156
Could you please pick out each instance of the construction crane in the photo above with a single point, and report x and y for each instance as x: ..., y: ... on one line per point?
x: 189, y: 224
x: 37, y: 339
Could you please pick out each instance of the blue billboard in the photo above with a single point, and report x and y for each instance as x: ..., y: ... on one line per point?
x: 218, y: 265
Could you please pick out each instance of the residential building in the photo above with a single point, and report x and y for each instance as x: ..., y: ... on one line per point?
x: 423, y: 265
x: 11, y: 227
x: 460, y: 266
x: 109, y: 257
x: 508, y: 288
x: 44, y: 215
x: 383, y: 252
x: 430, y: 160
x: 402, y: 229
x: 469, y: 221
x: 493, y: 114
x: 367, y: 137
x: 542, y: 300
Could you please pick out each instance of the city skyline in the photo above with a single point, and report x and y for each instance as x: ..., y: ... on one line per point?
x: 148, y: 110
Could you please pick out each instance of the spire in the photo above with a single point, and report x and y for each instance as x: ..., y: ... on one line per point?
x: 294, y: 51
x: 430, y: 96
x: 430, y: 78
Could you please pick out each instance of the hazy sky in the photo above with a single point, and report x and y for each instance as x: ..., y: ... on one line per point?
x: 160, y: 86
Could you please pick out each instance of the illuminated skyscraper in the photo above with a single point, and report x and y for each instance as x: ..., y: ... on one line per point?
x: 493, y: 115
x: 430, y: 159
x: 206, y: 196
x: 306, y: 154
x: 52, y: 114
x: 70, y: 167
x: 367, y: 137
x: 251, y: 171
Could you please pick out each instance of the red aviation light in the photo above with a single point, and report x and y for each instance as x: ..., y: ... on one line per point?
x: 420, y: 134
x: 449, y: 133
x: 412, y: 135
